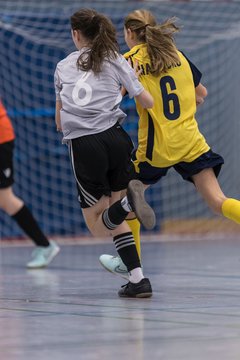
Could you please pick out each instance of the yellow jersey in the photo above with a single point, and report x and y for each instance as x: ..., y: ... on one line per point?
x: 168, y: 133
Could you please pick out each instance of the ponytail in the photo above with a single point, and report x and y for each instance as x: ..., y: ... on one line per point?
x: 161, y: 48
x: 159, y: 39
x: 101, y: 36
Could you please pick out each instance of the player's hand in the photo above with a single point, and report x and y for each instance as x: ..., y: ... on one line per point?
x: 199, y: 100
x: 135, y: 67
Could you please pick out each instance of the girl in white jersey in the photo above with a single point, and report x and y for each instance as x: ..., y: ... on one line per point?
x: 88, y: 86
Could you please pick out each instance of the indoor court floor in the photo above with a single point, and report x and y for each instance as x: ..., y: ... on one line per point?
x: 71, y: 310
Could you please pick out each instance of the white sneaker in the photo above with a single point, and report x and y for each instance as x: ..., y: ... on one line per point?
x: 114, y: 264
x: 42, y: 256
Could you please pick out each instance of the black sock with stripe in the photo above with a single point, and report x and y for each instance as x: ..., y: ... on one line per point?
x: 127, y: 251
x: 114, y: 215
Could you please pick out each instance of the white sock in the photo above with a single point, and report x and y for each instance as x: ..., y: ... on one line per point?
x: 125, y: 204
x: 136, y: 275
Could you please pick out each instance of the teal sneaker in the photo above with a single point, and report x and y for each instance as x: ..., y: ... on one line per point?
x: 42, y: 256
x: 114, y: 265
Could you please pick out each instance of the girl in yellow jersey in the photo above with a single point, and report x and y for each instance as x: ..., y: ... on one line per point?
x: 168, y: 134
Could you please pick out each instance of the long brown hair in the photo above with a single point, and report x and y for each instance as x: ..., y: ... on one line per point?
x: 101, y: 36
x: 159, y: 39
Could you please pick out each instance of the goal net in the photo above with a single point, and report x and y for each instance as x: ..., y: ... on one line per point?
x: 36, y: 35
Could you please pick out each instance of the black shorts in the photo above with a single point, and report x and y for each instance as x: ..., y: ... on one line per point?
x: 150, y: 175
x: 101, y: 164
x: 6, y: 164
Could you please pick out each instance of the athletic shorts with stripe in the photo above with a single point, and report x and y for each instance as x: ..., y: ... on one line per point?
x: 101, y: 164
x: 6, y: 164
x: 150, y: 175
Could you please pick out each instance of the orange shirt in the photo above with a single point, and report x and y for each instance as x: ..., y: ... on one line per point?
x: 6, y: 129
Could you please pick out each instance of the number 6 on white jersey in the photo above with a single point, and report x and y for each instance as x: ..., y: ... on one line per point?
x: 81, y: 84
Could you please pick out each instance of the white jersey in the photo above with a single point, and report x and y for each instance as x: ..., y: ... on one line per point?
x: 90, y: 103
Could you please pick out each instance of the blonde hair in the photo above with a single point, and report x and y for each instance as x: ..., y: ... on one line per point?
x: 159, y: 39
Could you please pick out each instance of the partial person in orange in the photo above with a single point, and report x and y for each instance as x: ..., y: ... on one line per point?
x: 46, y: 249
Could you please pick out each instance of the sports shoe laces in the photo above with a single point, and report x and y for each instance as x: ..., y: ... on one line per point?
x: 126, y: 285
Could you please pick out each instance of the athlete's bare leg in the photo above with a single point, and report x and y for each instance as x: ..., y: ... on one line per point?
x: 93, y: 217
x: 9, y: 202
x: 207, y: 185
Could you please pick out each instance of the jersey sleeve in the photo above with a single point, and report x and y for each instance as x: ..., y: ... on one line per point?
x: 57, y: 84
x: 197, y: 75
x: 127, y: 77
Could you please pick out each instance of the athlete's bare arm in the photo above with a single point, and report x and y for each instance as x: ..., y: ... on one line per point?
x: 145, y: 99
x: 57, y: 115
x: 201, y: 93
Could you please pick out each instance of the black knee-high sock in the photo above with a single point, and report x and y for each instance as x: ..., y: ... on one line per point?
x: 28, y: 224
x: 114, y: 215
x: 127, y: 251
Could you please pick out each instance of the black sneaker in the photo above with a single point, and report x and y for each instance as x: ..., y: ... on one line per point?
x: 142, y: 289
x: 143, y: 211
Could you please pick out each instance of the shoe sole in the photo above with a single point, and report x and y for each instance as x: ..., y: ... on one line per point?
x: 143, y: 211
x: 140, y: 296
x: 47, y: 263
x: 145, y: 295
x: 113, y: 272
